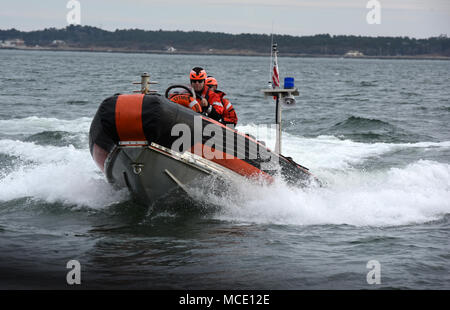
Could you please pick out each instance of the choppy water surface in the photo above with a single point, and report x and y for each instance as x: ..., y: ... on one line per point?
x: 376, y: 132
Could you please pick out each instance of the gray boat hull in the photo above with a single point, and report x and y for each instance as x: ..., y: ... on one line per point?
x: 153, y: 173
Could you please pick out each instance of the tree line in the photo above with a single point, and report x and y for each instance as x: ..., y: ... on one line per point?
x: 199, y: 41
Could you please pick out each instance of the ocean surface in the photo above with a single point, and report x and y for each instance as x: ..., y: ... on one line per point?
x: 375, y: 132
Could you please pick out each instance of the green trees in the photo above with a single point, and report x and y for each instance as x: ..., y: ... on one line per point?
x: 197, y: 41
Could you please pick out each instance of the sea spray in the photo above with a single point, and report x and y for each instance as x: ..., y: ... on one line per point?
x: 55, y: 174
x: 417, y: 193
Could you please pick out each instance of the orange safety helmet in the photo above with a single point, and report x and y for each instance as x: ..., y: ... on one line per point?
x: 197, y: 74
x: 210, y: 81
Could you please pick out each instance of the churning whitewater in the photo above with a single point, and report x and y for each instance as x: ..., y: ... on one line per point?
x: 413, y: 193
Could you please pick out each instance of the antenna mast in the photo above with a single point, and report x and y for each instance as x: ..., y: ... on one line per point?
x: 283, y: 95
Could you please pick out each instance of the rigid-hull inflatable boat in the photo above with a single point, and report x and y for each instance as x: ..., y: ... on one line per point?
x: 156, y: 147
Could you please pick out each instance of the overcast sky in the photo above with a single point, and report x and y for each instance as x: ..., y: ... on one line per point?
x: 413, y: 18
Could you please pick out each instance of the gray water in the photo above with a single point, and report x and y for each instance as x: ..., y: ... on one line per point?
x: 376, y: 132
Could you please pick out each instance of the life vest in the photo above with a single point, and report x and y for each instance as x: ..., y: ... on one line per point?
x: 187, y: 101
x: 229, y: 114
x: 215, y: 110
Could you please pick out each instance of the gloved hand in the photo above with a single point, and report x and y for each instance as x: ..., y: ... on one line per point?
x: 204, y: 103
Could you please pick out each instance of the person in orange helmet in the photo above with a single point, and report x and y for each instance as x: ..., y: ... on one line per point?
x: 229, y: 114
x: 210, y: 102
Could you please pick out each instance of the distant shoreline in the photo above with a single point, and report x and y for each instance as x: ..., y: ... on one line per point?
x: 214, y: 53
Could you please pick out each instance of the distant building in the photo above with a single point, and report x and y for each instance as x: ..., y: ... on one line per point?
x: 353, y: 54
x: 58, y: 43
x: 12, y: 43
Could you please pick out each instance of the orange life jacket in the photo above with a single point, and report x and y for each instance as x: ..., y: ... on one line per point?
x: 187, y: 101
x: 215, y: 108
x: 229, y: 115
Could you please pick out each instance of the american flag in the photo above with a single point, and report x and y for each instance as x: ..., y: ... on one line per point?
x: 275, y: 75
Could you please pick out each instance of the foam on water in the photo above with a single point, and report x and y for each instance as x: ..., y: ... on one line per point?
x: 55, y: 174
x: 418, y: 193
